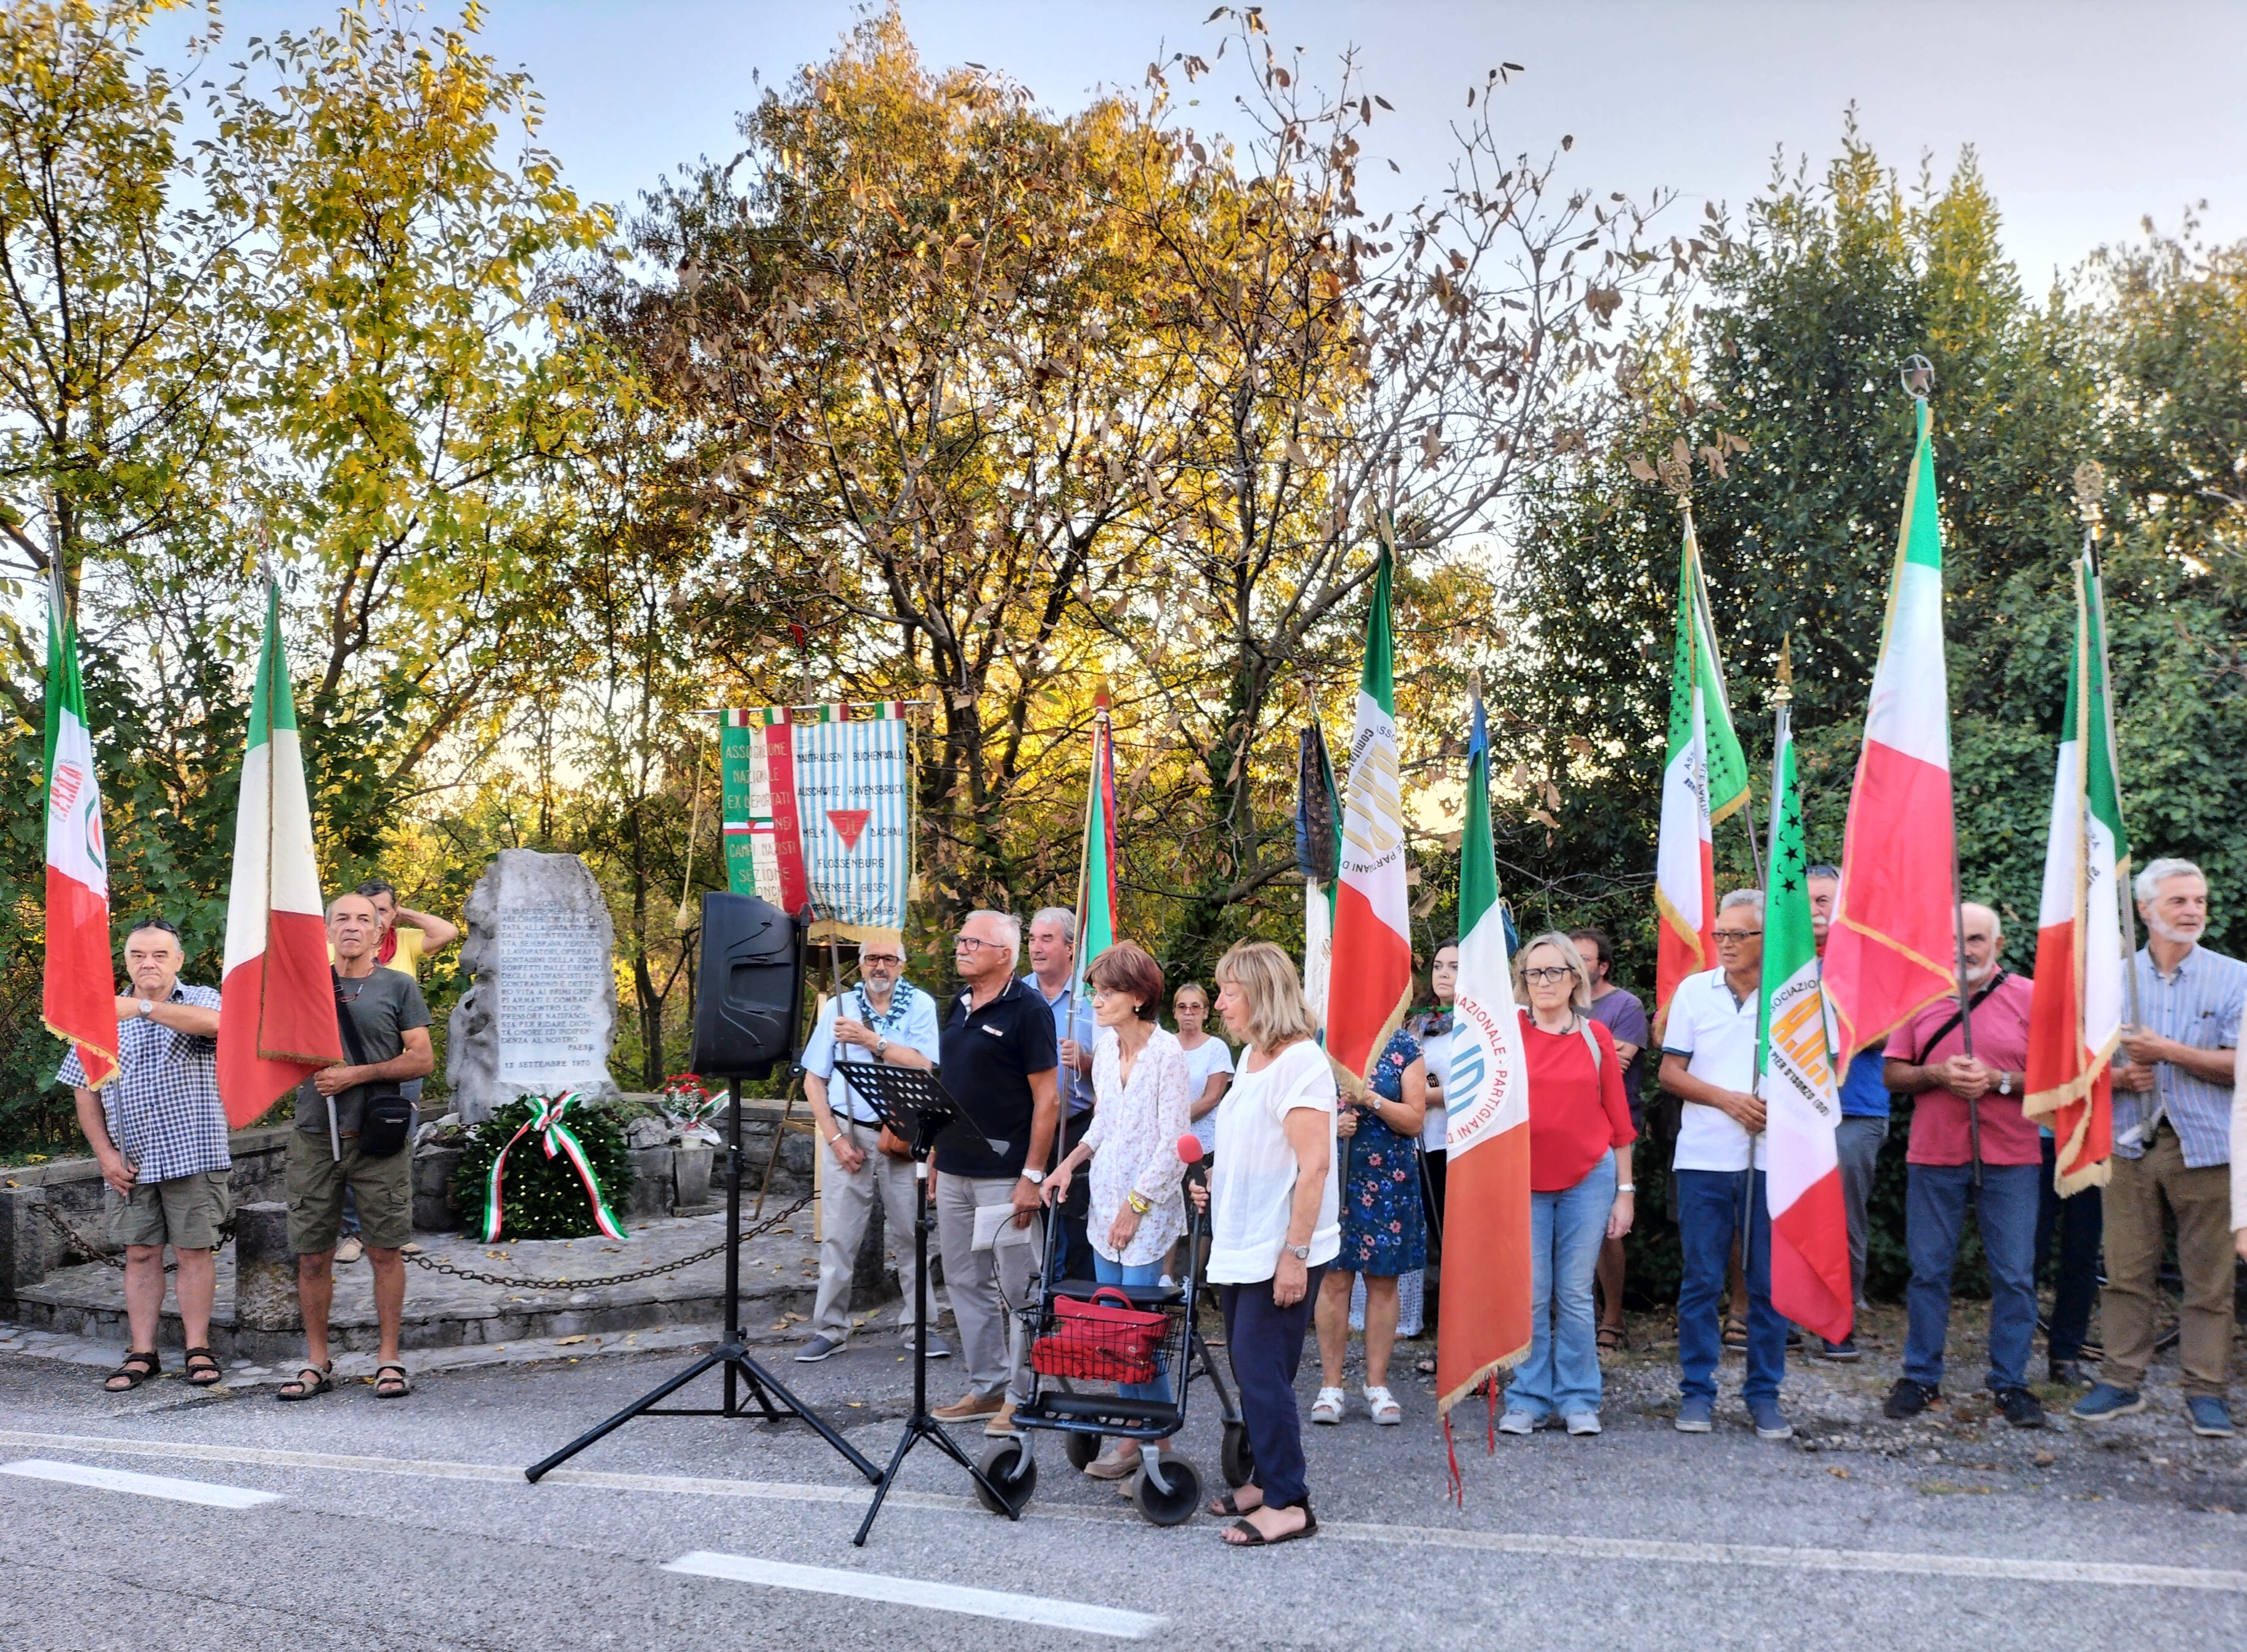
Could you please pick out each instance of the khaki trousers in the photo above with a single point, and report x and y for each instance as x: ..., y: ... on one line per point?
x: 846, y: 1201
x: 2200, y: 1201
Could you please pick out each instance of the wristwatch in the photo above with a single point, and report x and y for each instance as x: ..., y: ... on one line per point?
x: 1626, y: 1187
x: 1300, y: 1252
x: 2004, y: 1082
x: 1034, y: 1178
x: 881, y: 1046
x: 147, y: 1009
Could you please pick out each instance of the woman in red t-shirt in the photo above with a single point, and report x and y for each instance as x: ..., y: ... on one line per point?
x: 1579, y: 1186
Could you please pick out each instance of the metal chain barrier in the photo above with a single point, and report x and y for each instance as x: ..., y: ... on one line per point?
x: 88, y: 1249
x: 519, y: 1280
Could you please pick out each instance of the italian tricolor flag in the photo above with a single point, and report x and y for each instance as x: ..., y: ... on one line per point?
x: 2075, y: 1015
x: 1794, y: 1073
x: 1704, y: 780
x: 1370, y: 980
x: 1893, y: 944
x: 79, y: 1001
x: 1486, y: 1322
x: 277, y: 1008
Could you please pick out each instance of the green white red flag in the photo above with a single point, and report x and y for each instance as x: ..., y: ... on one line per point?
x: 1892, y: 946
x: 278, y: 1000
x: 1704, y: 780
x: 1485, y: 1314
x: 1370, y: 981
x: 78, y: 995
x: 1810, y: 1280
x: 2075, y: 1014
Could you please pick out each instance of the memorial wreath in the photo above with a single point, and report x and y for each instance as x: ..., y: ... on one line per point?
x: 563, y: 1182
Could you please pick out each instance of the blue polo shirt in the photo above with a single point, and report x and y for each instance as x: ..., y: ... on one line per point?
x: 1863, y: 1093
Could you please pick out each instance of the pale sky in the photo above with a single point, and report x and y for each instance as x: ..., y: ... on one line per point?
x: 2087, y: 116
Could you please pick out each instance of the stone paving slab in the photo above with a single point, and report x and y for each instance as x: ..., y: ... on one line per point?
x: 780, y: 1275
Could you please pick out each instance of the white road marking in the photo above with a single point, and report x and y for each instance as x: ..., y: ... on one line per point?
x: 938, y: 1597
x: 2110, y: 1575
x: 217, y: 1497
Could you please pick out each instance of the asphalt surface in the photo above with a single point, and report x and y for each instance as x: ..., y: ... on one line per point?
x: 409, y: 1525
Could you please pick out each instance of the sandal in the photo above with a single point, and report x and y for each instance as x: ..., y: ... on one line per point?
x: 140, y: 1365
x: 1229, y: 1506
x: 1383, y: 1404
x: 1250, y: 1538
x: 392, y: 1388
x: 1736, y: 1333
x: 1327, y: 1409
x: 1611, y: 1338
x: 1425, y: 1365
x: 323, y: 1380
x: 202, y: 1369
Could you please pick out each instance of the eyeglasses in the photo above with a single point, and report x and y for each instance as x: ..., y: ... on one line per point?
x: 878, y: 961
x: 1723, y: 935
x: 1547, y: 977
x: 971, y: 940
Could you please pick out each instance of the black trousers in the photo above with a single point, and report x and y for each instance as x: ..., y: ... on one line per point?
x: 1266, y: 1343
x: 1076, y: 1261
x: 2079, y: 1220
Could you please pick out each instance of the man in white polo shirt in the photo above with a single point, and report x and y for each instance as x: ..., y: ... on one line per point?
x: 1708, y: 1062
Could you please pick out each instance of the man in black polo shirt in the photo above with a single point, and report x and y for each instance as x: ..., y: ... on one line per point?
x: 999, y: 1060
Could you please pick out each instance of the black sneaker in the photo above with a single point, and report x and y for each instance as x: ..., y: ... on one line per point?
x: 1907, y: 1399
x: 2020, y: 1408
x: 2069, y: 1373
x: 1842, y: 1353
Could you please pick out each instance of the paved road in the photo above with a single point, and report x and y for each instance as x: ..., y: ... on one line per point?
x: 408, y: 1526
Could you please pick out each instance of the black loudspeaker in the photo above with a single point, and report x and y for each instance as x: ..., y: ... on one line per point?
x: 750, y: 993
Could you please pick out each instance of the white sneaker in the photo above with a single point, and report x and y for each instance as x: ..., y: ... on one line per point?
x: 350, y: 1250
x: 1327, y: 1409
x: 1512, y: 1421
x: 1583, y: 1421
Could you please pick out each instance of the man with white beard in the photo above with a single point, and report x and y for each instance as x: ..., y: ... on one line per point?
x: 2172, y: 1147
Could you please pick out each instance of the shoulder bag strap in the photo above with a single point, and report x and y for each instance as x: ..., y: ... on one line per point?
x: 1591, y: 1043
x: 1951, y: 1026
x: 347, y: 1024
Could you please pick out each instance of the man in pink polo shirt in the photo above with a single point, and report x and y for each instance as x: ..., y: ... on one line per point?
x: 1970, y: 1105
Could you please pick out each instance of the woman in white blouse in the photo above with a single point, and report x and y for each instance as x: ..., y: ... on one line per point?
x: 1140, y: 1107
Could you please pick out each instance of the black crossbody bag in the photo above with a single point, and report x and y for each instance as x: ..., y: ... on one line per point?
x: 387, y: 1119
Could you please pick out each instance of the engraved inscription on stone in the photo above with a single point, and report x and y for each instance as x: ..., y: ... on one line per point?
x: 556, y: 967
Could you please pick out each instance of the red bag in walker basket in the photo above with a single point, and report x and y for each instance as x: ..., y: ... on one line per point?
x: 1100, y: 1341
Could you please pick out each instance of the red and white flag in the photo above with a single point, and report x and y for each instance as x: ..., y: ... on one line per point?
x: 1370, y: 980
x: 1704, y: 779
x: 1893, y: 945
x: 2075, y: 1014
x: 78, y: 999
x: 278, y: 1000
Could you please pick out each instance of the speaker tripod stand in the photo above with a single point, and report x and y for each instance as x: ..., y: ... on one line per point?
x: 917, y: 1107
x: 768, y: 1399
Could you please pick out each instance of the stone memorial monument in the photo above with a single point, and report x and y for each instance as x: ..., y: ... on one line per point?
x: 541, y: 1011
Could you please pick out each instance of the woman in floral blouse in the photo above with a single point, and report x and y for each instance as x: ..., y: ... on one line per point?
x: 1383, y: 1232
x: 1139, y: 1110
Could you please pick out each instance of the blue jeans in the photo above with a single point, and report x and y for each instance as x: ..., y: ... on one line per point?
x: 1107, y: 1273
x: 1708, y: 1217
x: 1935, y: 1212
x: 1566, y: 1231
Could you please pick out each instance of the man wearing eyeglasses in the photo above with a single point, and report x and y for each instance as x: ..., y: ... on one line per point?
x: 886, y: 1020
x: 1708, y: 1062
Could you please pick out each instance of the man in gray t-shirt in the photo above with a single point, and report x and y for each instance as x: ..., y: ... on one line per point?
x: 393, y: 1024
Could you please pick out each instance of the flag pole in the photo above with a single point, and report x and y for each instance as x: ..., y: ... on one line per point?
x: 1782, y: 701
x: 2090, y: 484
x: 1918, y: 375
x: 1707, y: 618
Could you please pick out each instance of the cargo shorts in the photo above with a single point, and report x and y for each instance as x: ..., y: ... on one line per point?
x: 184, y: 1212
x: 384, y: 1188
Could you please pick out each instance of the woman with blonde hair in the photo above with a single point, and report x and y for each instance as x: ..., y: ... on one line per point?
x: 1275, y: 1206
x: 1579, y: 1186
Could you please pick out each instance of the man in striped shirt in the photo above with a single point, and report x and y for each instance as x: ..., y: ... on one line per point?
x: 2172, y: 1147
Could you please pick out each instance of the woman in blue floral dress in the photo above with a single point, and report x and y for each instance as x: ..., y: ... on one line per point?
x: 1383, y: 1232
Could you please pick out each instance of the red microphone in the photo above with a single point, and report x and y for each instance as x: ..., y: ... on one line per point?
x: 1189, y: 1149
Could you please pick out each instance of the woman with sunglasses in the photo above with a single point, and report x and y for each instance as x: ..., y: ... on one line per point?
x: 1579, y: 1186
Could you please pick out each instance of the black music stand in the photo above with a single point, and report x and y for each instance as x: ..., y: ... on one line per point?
x: 732, y: 1356
x: 913, y: 1103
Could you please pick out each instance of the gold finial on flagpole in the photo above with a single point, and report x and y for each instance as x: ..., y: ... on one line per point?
x: 1783, y: 693
x: 2090, y: 494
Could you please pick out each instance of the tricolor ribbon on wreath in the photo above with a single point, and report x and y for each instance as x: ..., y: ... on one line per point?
x: 558, y: 1137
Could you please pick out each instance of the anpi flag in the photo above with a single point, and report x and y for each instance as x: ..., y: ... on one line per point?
x: 1486, y: 1303
x: 1705, y: 780
x: 1371, y: 978
x: 277, y: 1001
x: 817, y: 810
x: 79, y: 1001
x: 1891, y: 947
x: 1794, y: 1075
x: 2076, y: 1013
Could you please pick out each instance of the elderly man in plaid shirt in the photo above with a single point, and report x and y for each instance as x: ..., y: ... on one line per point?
x: 159, y: 1134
